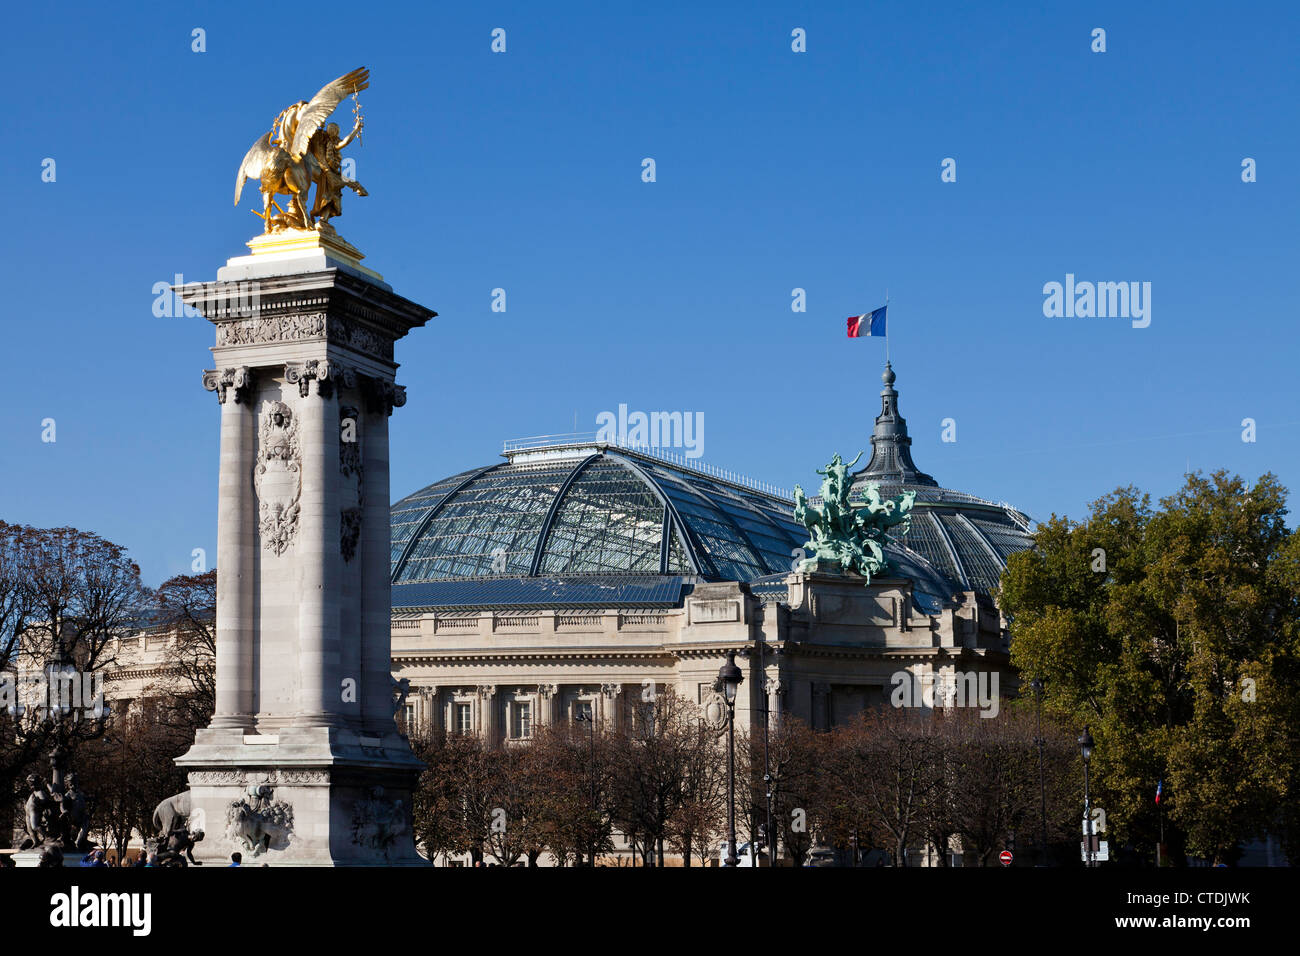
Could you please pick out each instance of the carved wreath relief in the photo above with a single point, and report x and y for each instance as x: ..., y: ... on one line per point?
x: 277, y: 476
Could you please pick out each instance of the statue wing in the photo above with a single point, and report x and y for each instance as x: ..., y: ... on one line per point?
x: 314, y: 114
x: 251, y: 167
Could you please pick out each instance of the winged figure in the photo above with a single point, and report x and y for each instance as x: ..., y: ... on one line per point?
x: 299, y: 150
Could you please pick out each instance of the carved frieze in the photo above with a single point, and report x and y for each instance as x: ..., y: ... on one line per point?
x: 279, y: 328
x: 304, y: 326
x: 277, y: 476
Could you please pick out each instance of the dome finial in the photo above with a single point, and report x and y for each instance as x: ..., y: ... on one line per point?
x: 888, y: 377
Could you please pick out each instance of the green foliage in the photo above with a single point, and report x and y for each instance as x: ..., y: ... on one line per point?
x: 1173, y: 632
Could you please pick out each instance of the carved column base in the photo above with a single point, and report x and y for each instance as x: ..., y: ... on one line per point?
x: 302, y: 797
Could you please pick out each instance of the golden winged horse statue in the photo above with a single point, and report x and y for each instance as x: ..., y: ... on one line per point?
x: 298, y: 151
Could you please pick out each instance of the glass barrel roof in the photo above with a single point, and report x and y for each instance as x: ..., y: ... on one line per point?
x: 552, y: 515
x: 607, y: 512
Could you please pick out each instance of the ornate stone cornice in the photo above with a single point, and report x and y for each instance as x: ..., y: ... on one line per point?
x: 229, y: 381
x: 330, y: 305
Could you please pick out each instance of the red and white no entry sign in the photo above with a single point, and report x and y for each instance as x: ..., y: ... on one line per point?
x: 1005, y: 857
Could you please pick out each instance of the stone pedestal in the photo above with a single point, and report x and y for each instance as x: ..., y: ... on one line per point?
x: 302, y: 762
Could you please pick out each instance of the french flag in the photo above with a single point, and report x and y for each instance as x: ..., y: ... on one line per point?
x: 1160, y: 790
x: 867, y: 324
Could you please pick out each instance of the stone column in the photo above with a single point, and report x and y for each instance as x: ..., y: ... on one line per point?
x: 236, y: 548
x: 351, y: 500
x: 487, y: 713
x: 547, y: 697
x: 775, y: 691
x: 375, y: 548
x: 319, y: 699
x: 609, y: 696
x: 821, y: 705
x: 431, y: 716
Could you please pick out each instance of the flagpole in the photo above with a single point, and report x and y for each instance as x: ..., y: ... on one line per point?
x: 886, y: 326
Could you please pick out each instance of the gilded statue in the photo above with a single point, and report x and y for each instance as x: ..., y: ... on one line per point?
x: 300, y: 150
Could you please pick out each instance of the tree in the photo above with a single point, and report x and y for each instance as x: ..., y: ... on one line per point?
x: 452, y: 806
x: 66, y: 597
x: 186, y: 610
x: 652, y: 759
x: 1172, y: 632
x: 793, y: 762
x: 127, y: 773
x: 574, y: 768
x: 880, y: 769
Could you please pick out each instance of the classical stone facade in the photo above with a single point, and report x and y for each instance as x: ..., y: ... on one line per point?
x: 819, y: 648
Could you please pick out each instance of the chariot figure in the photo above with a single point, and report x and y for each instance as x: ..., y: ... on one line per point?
x: 326, y: 147
x: 296, y: 152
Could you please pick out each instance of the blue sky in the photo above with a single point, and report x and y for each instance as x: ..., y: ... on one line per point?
x: 775, y: 170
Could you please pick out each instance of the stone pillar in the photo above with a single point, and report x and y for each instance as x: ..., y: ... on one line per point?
x: 431, y: 715
x: 303, y: 560
x: 610, y: 695
x: 547, y: 698
x: 319, y: 697
x: 487, y: 713
x: 821, y: 705
x: 375, y: 545
x: 775, y: 692
x: 236, y: 531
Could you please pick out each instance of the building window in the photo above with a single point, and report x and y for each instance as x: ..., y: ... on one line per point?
x: 643, y: 717
x: 464, y: 719
x: 523, y: 720
x: 408, y: 718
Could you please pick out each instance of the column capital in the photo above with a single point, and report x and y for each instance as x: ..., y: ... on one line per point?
x: 383, y: 395
x: 324, y: 373
x: 237, y: 381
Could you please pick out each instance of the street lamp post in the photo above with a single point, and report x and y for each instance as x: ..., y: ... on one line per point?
x: 767, y: 766
x: 1085, y: 748
x: 1037, y: 684
x: 729, y: 678
x: 590, y: 718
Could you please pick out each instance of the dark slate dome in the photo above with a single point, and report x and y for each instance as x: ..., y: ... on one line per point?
x: 573, y: 522
x: 965, y: 537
